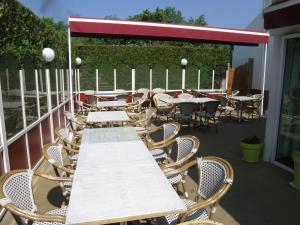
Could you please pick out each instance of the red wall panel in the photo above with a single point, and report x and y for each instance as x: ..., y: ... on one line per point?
x: 17, y: 154
x: 46, y: 131
x: 35, y: 149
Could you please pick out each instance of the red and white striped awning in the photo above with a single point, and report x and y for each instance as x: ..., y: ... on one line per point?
x: 90, y: 27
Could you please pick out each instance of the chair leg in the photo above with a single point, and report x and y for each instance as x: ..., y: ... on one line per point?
x: 184, y: 189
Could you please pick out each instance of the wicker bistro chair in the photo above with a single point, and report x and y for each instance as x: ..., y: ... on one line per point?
x: 201, y: 222
x: 54, y: 155
x: 209, y: 113
x: 186, y: 112
x: 75, y: 123
x: 186, y: 147
x: 226, y: 106
x: 215, y: 179
x: 16, y: 195
x: 84, y: 108
x: 68, y: 138
x: 142, y: 121
x: 166, y: 132
x: 163, y: 108
x: 253, y: 107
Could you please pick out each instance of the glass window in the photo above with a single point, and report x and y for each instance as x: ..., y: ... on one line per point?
x: 289, y: 130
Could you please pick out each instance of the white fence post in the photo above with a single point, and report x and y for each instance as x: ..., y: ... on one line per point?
x: 3, y: 136
x: 78, y: 80
x: 183, y: 79
x: 167, y: 79
x: 115, y: 79
x: 133, y: 80
x: 7, y: 79
x: 199, y: 79
x: 150, y: 82
x: 97, y: 80
x: 22, y: 81
x: 213, y: 80
x: 49, y: 103
x: 38, y: 105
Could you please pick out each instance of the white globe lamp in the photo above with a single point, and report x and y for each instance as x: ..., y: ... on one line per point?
x: 48, y: 54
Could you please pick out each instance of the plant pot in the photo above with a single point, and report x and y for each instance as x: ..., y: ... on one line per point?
x: 250, y: 152
x: 296, y: 158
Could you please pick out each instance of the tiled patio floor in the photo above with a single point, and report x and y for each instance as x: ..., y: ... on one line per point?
x: 260, y: 194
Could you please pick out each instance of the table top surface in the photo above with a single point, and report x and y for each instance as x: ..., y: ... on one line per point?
x: 243, y: 98
x: 188, y: 100
x: 118, y: 180
x: 107, y: 116
x: 111, y: 103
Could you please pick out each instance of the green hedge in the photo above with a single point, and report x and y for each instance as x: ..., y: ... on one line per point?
x: 158, y: 57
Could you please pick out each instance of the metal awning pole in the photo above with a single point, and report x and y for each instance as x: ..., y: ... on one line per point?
x: 70, y: 68
x: 264, y: 79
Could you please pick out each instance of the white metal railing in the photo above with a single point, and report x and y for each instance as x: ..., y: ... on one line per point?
x: 60, y: 93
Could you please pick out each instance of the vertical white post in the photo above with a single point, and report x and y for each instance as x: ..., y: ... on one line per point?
x: 7, y: 79
x: 150, y: 82
x: 22, y: 81
x: 57, y: 91
x: 199, y: 79
x: 183, y: 78
x: 78, y: 79
x: 213, y: 80
x: 57, y: 95
x: 70, y: 68
x: 133, y: 81
x: 68, y: 83
x: 226, y: 80
x: 264, y: 79
x: 75, y: 82
x: 49, y: 103
x: 3, y: 136
x: 38, y: 104
x: 115, y: 79
x: 41, y: 80
x: 97, y: 80
x: 167, y: 79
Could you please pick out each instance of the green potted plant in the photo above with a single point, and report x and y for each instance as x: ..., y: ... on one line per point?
x: 251, y: 148
x: 296, y: 158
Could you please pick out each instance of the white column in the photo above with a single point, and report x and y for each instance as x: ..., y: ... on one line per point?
x: 41, y: 80
x: 167, y: 79
x: 264, y: 79
x: 150, y: 80
x: 115, y: 79
x: 213, y: 80
x: 68, y: 83
x: 133, y: 80
x: 3, y: 136
x: 49, y: 103
x: 57, y: 91
x: 199, y: 79
x: 38, y: 104
x: 22, y: 81
x: 70, y: 69
x: 7, y: 79
x: 78, y: 80
x: 183, y: 78
x: 226, y: 80
x: 97, y: 80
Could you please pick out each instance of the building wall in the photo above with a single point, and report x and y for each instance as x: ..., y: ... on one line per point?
x: 241, y: 54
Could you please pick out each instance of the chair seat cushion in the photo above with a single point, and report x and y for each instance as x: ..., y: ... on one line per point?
x: 172, y: 219
x: 158, y: 154
x: 173, y: 179
x: 58, y: 212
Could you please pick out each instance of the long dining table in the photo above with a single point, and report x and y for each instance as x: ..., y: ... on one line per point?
x: 118, y: 180
x: 189, y: 100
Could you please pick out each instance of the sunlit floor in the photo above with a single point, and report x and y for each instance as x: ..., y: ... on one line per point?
x: 260, y: 194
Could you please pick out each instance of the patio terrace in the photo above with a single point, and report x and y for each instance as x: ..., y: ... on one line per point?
x: 260, y: 193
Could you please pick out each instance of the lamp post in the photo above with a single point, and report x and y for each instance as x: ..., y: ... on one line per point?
x: 77, y: 77
x: 49, y: 55
x: 183, y: 66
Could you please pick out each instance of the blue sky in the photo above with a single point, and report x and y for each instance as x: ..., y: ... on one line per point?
x: 220, y: 13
